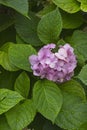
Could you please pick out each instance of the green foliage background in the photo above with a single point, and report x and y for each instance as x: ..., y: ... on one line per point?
x: 26, y: 102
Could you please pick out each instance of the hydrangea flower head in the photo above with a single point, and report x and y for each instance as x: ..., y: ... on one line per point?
x: 58, y: 67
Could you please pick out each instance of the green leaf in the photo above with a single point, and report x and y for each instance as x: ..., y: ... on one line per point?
x: 4, y: 59
x: 71, y: 118
x: 74, y: 109
x: 83, y: 5
x: 71, y: 21
x: 79, y: 41
x: 21, y: 115
x: 3, y: 123
x: 4, y: 62
x: 70, y: 6
x: 20, y: 6
x: 47, y: 99
x: 19, y: 40
x: 19, y: 55
x: 83, y: 75
x: 83, y: 126
x: 27, y: 28
x: 48, y: 8
x: 50, y: 27
x: 79, y: 0
x: 82, y: 37
x: 22, y: 84
x: 80, y: 58
x: 5, y: 21
x: 61, y: 42
x: 73, y: 87
x: 8, y: 99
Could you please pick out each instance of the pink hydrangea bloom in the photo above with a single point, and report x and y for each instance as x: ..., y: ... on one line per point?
x: 58, y: 67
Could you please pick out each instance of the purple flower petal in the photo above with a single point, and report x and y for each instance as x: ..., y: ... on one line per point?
x: 58, y: 67
x: 33, y: 59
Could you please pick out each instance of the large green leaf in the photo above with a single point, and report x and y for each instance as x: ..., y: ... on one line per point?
x: 27, y: 28
x: 47, y: 99
x: 74, y: 109
x: 83, y: 75
x: 72, y: 116
x: 19, y: 55
x: 20, y: 6
x: 22, y: 84
x: 71, y: 21
x: 4, y: 59
x: 3, y: 123
x: 50, y: 27
x: 8, y: 99
x: 74, y: 88
x: 21, y: 115
x: 79, y: 41
x: 70, y: 6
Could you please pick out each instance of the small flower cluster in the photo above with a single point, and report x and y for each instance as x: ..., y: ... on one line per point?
x: 58, y: 67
